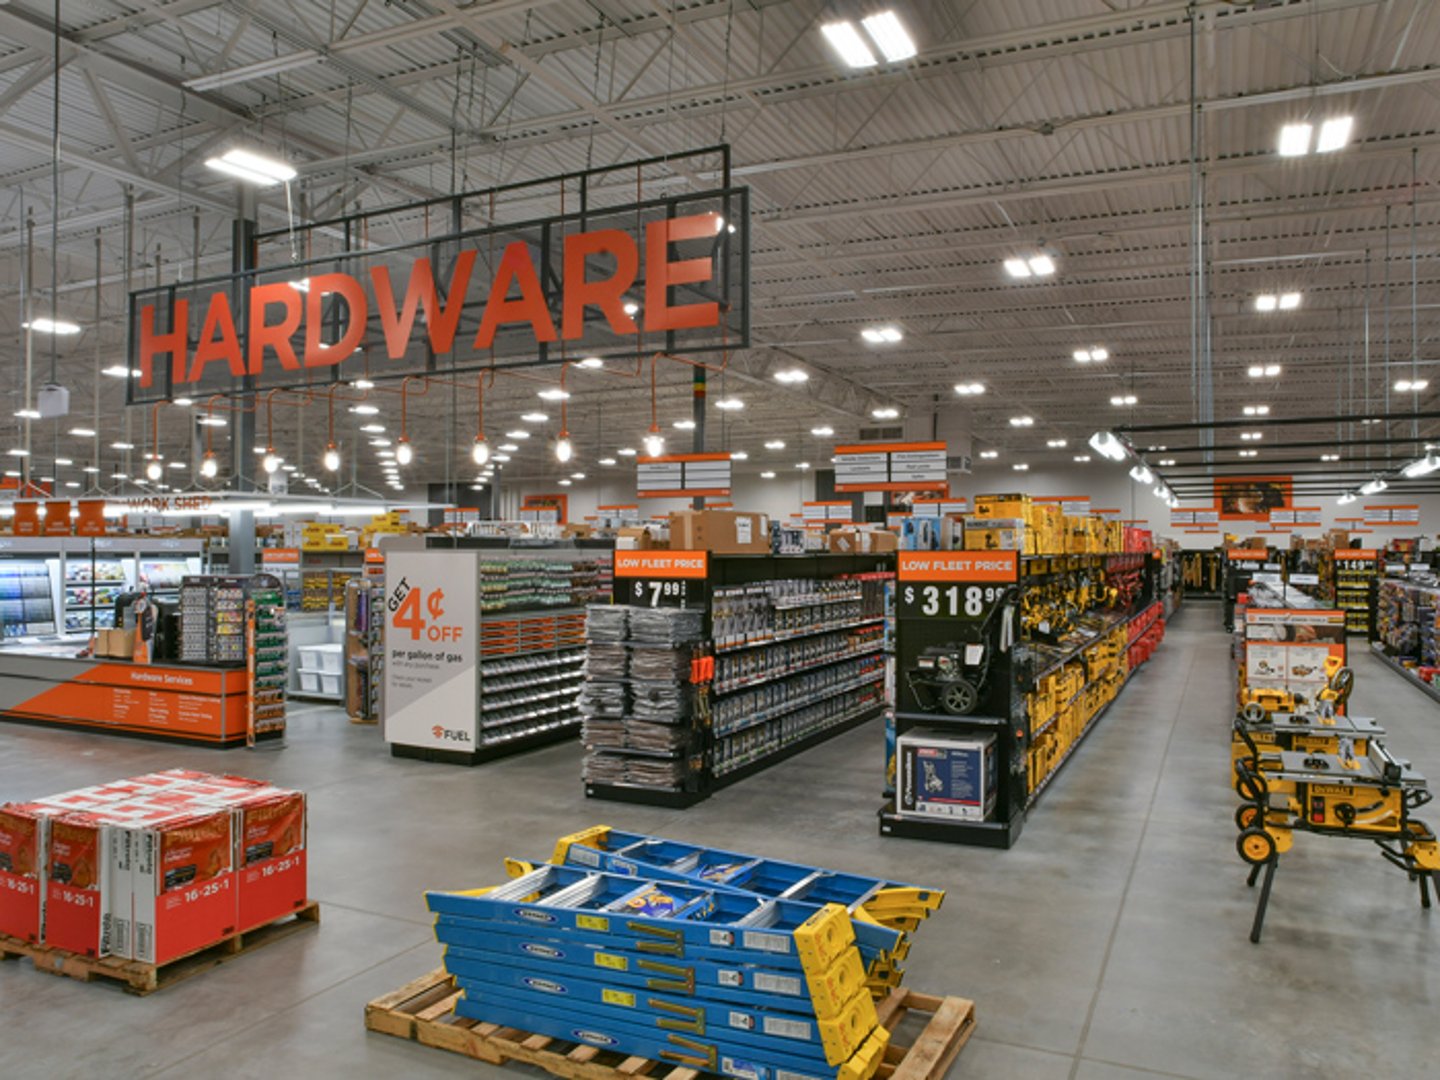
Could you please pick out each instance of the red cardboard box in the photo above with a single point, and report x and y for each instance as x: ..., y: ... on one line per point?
x: 75, y: 896
x: 272, y: 857
x: 24, y: 830
x: 183, y: 884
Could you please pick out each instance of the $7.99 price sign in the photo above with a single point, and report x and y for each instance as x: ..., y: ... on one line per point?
x: 651, y: 593
x: 948, y: 601
x: 421, y: 612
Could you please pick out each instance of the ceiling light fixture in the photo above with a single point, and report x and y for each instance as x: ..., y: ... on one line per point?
x: 1257, y: 410
x: 1422, y: 466
x: 989, y: 455
x: 83, y: 432
x: 627, y: 451
x: 363, y: 384
x: 791, y: 376
x: 1021, y: 467
x: 882, y: 335
x: 1055, y: 444
x: 1106, y: 444
x: 729, y: 404
x: 1122, y: 400
x: 775, y: 444
x: 767, y: 475
x: 364, y: 410
x: 534, y: 417
x: 824, y: 431
x: 118, y: 371
x: 1329, y: 457
x: 1022, y: 421
x: 1094, y: 355
x: 1346, y: 499
x: 969, y: 389
x: 1248, y: 453
x: 253, y: 168
x: 28, y: 414
x: 739, y: 455
x: 684, y: 425
x: 555, y: 394
x: 1037, y: 265
x: 592, y: 363
x: 1373, y: 487
x: 845, y: 39
x: 1295, y: 140
x: 1334, y: 134
x: 58, y: 327
x: 404, y: 452
x: 885, y: 413
x: 1081, y: 458
x: 607, y: 461
x: 1403, y: 386
x: 1141, y: 474
x: 270, y: 463
x: 1252, y: 436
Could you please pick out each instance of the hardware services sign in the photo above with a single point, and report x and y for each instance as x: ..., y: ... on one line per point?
x: 432, y: 643
x: 667, y: 275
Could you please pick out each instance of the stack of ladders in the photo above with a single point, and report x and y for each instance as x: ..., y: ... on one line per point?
x: 748, y: 977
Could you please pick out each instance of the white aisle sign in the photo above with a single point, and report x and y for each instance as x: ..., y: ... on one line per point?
x: 432, y: 640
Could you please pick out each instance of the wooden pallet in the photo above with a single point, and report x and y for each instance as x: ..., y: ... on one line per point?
x: 424, y: 1010
x: 141, y: 978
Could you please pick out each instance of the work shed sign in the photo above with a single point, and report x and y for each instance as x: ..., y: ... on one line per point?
x: 662, y: 276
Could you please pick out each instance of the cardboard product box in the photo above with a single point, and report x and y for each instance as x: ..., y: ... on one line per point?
x: 1016, y: 505
x: 183, y: 883
x: 77, y: 900
x: 636, y: 538
x: 118, y: 644
x: 723, y: 532
x: 24, y: 840
x: 995, y: 534
x: 270, y: 837
x: 945, y: 776
x: 861, y: 541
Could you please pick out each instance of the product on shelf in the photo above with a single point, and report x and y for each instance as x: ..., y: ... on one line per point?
x: 27, y: 605
x: 152, y: 867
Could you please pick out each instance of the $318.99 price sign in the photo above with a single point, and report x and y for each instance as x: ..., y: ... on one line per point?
x: 955, y: 601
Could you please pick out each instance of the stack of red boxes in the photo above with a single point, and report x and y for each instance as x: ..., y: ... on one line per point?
x: 153, y: 867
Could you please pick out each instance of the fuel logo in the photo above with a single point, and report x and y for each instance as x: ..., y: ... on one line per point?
x: 450, y: 734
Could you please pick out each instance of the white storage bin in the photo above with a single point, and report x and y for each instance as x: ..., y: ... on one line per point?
x: 310, y: 657
x: 309, y: 682
x: 329, y: 684
x: 331, y: 658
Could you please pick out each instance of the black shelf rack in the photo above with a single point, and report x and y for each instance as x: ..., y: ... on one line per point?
x: 690, y: 580
x: 1004, y: 707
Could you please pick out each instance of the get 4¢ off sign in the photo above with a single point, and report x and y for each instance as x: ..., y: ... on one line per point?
x: 432, y: 622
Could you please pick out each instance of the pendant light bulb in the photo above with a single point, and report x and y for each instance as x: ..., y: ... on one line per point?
x: 404, y: 452
x: 208, y: 465
x: 271, y: 461
x: 480, y: 452
x: 654, y: 442
x: 332, y: 458
x: 154, y: 470
x: 564, y: 449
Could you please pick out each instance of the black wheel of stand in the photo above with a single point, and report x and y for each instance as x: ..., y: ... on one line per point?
x: 1247, y: 816
x: 1251, y: 788
x: 1256, y: 846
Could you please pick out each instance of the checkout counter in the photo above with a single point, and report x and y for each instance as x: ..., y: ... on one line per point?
x: 50, y: 682
x: 51, y: 676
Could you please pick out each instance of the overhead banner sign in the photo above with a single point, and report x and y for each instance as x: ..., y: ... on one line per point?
x: 939, y: 507
x: 682, y: 475
x: 668, y: 273
x: 890, y: 467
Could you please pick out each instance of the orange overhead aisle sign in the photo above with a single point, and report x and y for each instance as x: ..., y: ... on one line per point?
x: 91, y: 519
x: 673, y: 476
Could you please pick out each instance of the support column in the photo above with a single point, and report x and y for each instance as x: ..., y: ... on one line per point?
x: 242, y: 422
x: 697, y: 413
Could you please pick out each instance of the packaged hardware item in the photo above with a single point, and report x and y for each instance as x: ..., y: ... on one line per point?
x: 945, y: 776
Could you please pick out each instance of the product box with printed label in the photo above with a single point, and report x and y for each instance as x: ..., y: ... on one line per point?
x: 76, y: 879
x: 637, y: 538
x: 862, y: 541
x: 183, y: 885
x: 723, y: 532
x: 945, y: 776
x: 24, y: 833
x: 995, y: 534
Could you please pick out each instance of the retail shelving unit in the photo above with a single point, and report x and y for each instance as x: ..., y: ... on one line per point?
x: 1405, y: 633
x: 364, y: 649
x: 984, y: 649
x: 267, y: 656
x: 516, y: 684
x: 1356, y: 571
x: 788, y: 652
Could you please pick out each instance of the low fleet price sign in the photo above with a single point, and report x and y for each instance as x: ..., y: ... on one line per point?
x: 954, y: 584
x: 431, y: 647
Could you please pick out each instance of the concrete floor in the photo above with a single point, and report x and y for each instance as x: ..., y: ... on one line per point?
x: 1111, y: 944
